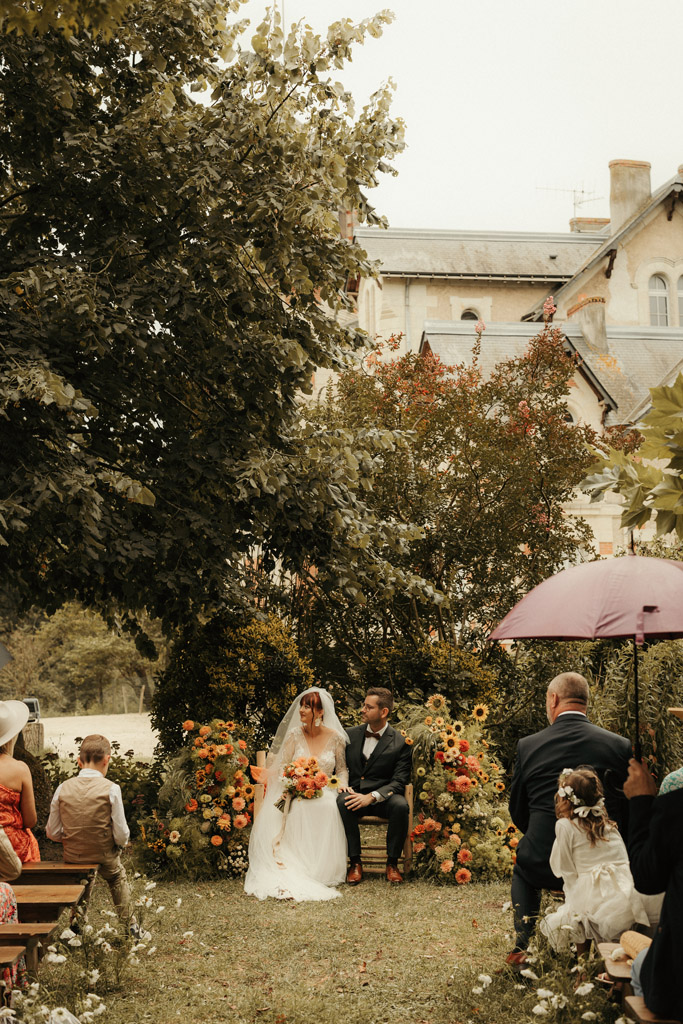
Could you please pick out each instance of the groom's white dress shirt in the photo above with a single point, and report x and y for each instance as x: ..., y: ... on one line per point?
x: 369, y: 747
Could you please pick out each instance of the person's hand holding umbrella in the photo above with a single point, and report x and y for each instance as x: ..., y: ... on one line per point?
x: 639, y: 781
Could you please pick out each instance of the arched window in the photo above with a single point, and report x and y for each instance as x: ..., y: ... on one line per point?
x: 680, y: 301
x: 659, y: 301
x: 469, y: 314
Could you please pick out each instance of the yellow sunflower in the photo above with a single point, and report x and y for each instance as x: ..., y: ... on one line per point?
x: 458, y: 727
x: 480, y: 712
x: 484, y: 777
x: 500, y: 786
x: 428, y: 720
x: 438, y: 721
x: 450, y: 742
x: 436, y: 702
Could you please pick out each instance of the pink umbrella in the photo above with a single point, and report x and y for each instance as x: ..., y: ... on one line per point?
x: 620, y: 598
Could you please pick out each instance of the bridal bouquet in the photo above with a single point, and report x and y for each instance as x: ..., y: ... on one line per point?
x: 303, y: 780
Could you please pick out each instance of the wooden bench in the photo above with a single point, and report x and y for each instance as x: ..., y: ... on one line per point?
x: 33, y: 936
x: 618, y: 970
x: 45, y: 902
x: 10, y: 955
x: 637, y: 1010
x: 45, y: 872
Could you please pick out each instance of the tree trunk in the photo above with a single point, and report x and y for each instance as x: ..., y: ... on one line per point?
x: 142, y: 698
x: 125, y: 698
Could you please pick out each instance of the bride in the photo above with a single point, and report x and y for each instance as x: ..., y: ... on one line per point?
x: 309, y: 856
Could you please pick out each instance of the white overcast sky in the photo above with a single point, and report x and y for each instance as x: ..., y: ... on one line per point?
x: 503, y: 100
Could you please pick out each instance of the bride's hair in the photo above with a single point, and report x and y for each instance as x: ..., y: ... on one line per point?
x: 312, y: 700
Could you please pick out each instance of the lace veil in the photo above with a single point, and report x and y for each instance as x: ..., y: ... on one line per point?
x: 290, y: 726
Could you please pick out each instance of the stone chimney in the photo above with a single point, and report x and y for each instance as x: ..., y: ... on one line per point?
x: 590, y: 315
x: 629, y: 190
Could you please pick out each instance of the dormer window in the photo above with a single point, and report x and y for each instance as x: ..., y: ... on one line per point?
x: 659, y: 301
x: 469, y: 314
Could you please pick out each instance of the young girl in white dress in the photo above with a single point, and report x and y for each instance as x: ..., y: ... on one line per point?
x: 600, y: 901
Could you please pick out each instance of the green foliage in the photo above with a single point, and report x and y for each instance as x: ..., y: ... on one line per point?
x: 415, y: 671
x: 250, y: 670
x: 200, y: 827
x: 74, y: 662
x: 463, y: 829
x: 650, y: 480
x: 482, y: 465
x: 171, y: 274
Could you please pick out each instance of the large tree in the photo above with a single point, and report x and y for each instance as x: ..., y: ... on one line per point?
x: 171, y: 275
x: 485, y: 465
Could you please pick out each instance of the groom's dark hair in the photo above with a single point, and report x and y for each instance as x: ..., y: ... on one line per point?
x: 385, y: 698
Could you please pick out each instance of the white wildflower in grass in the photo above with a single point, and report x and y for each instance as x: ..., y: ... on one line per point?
x: 137, y: 875
x: 151, y: 950
x: 145, y: 936
x: 144, y: 901
x: 589, y: 1015
x: 477, y: 991
x: 179, y: 901
x: 485, y: 979
x: 55, y: 958
x: 150, y: 886
x: 67, y: 934
x: 540, y: 1010
x: 558, y: 1002
x: 107, y: 913
x: 6, y: 1013
x: 507, y: 906
x: 75, y: 941
x: 188, y: 935
x: 584, y: 989
x: 544, y: 993
x: 528, y: 973
x: 93, y: 977
x: 160, y: 910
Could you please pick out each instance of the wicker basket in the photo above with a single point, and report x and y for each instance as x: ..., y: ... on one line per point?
x: 633, y: 943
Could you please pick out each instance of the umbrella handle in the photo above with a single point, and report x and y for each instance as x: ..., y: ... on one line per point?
x: 637, y: 748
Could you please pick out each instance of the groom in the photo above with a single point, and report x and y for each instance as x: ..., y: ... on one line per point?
x: 379, y: 762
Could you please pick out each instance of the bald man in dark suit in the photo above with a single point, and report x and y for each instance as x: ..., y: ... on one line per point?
x: 570, y: 741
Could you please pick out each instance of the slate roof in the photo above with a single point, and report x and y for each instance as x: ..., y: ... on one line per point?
x: 633, y: 360
x: 468, y: 255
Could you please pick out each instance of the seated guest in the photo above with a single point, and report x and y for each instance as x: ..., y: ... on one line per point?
x: 17, y: 803
x: 87, y: 818
x: 590, y: 857
x: 655, y: 846
x: 10, y: 868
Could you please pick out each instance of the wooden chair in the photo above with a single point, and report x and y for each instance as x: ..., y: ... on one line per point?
x: 45, y: 902
x: 637, y: 1010
x: 374, y: 857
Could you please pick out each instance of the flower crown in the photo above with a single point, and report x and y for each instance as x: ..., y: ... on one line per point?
x: 581, y: 808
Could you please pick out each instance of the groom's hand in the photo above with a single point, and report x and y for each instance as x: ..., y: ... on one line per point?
x: 357, y: 801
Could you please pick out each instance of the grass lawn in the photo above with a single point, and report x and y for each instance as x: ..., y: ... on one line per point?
x: 378, y: 954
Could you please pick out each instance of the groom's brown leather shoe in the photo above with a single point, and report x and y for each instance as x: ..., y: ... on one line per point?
x: 393, y: 874
x: 355, y: 874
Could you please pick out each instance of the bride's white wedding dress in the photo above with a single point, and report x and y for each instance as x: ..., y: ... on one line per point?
x: 312, y: 850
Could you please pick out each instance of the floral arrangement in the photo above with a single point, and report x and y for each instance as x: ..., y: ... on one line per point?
x: 302, y: 780
x: 463, y: 829
x: 206, y: 806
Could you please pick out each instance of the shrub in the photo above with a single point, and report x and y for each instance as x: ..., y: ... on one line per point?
x: 463, y: 829
x: 414, y: 672
x: 248, y: 669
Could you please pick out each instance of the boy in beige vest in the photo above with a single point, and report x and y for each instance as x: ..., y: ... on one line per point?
x: 87, y: 818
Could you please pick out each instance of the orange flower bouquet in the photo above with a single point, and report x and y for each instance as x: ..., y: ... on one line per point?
x: 303, y: 780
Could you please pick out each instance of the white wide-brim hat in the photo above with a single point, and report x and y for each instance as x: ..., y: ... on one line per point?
x: 13, y: 717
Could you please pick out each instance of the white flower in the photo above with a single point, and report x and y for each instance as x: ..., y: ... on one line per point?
x: 151, y: 950
x: 558, y: 1002
x: 144, y: 901
x: 589, y: 1015
x: 188, y: 935
x: 540, y: 1010
x: 544, y: 993
x: 160, y: 910
x: 55, y: 958
x: 93, y: 977
x: 584, y: 989
x: 75, y: 941
x: 6, y: 1013
x: 150, y: 886
x: 67, y: 934
x: 507, y: 906
x: 179, y: 901
x: 477, y: 991
x: 485, y: 979
x: 528, y: 973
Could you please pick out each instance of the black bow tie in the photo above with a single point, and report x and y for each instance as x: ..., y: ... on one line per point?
x: 371, y: 735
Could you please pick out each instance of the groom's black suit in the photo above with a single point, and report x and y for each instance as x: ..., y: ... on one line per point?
x: 571, y: 741
x: 387, y: 772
